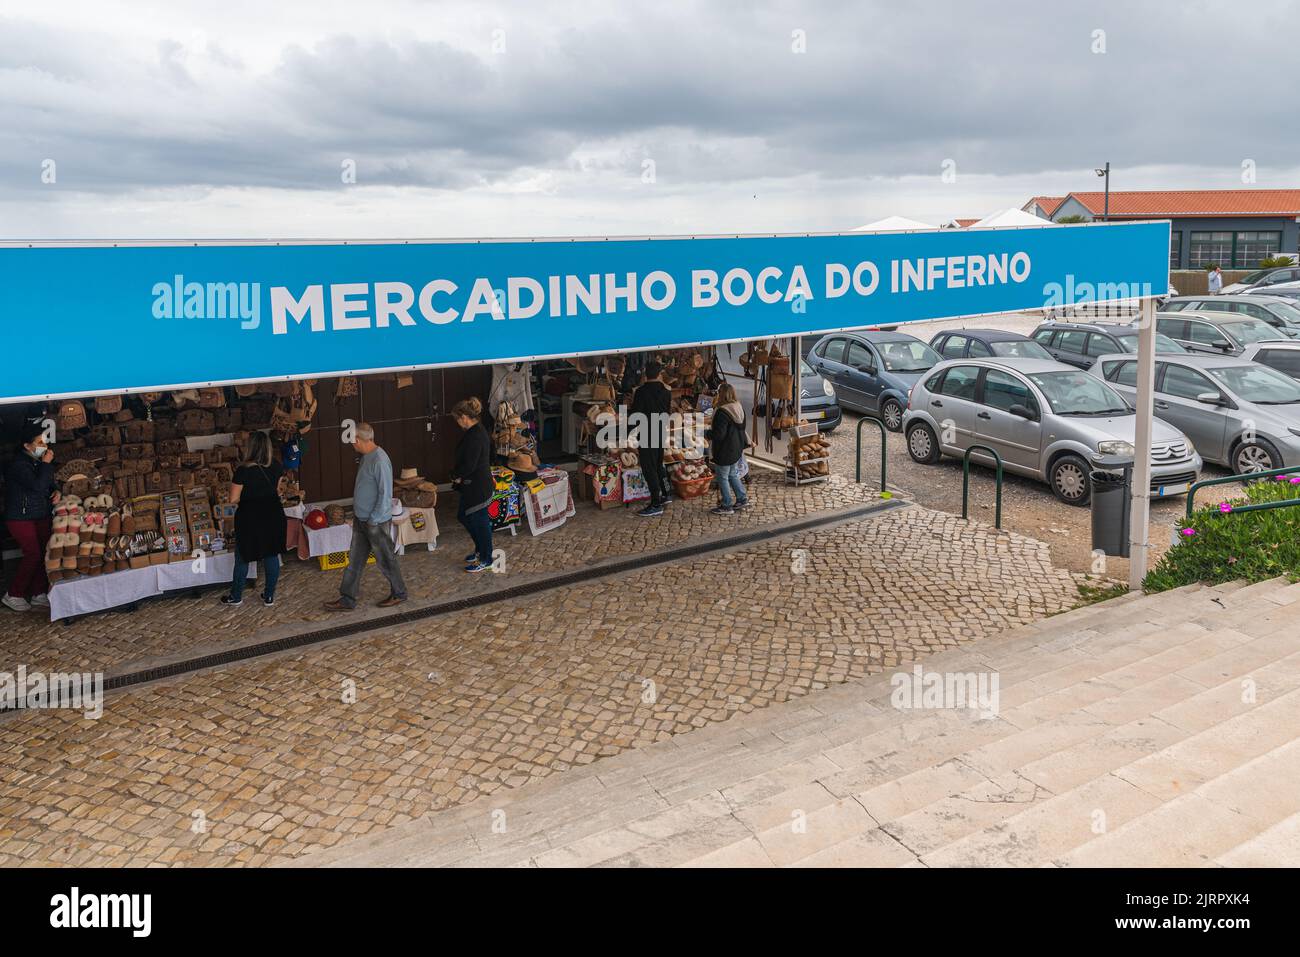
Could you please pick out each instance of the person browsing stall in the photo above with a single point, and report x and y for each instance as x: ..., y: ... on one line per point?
x: 726, y: 435
x: 651, y: 404
x: 260, y: 524
x: 30, y: 497
x: 472, y: 477
x: 372, y: 525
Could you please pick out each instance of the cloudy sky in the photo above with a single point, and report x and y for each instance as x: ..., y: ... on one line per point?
x: 139, y: 118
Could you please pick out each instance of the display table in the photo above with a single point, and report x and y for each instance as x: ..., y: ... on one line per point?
x: 552, y: 506
x: 89, y: 594
x: 315, y: 542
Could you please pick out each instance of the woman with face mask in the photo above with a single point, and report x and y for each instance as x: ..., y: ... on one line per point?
x: 30, y: 497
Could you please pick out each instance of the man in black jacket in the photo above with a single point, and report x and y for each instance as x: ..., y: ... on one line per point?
x: 651, y: 403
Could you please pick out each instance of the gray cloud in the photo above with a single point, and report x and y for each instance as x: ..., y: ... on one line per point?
x: 712, y: 92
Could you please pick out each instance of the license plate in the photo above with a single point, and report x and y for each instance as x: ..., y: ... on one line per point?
x: 1178, y: 489
x: 815, y: 415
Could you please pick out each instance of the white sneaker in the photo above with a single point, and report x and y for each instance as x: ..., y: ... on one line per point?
x: 17, y: 604
x: 41, y: 601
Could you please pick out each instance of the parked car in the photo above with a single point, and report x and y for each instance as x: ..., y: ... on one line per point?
x: 816, y: 396
x: 1237, y: 412
x: 1080, y: 343
x: 873, y: 372
x: 1282, y: 356
x: 1046, y: 419
x: 1290, y: 291
x: 986, y: 343
x: 1264, y: 277
x: 1218, y: 333
x: 1278, y: 311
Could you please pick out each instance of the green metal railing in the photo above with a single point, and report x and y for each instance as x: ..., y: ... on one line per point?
x: 1191, y: 492
x: 965, y: 481
x: 884, y: 460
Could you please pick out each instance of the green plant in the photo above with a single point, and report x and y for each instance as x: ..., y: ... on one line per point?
x: 1090, y: 594
x: 1217, y: 546
x: 1268, y: 262
x: 1073, y: 218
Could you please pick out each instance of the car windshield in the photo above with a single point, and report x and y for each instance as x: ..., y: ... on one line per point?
x: 1287, y: 311
x: 903, y: 356
x: 1259, y: 384
x: 1163, y: 343
x: 1077, y: 393
x: 805, y: 369
x: 1250, y: 330
x: 1019, y: 349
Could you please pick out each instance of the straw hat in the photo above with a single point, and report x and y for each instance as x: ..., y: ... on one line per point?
x: 408, y: 478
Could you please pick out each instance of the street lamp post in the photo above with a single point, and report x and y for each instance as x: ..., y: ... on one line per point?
x: 1105, y: 171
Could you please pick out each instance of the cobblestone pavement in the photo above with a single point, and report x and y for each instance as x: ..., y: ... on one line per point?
x: 1029, y: 507
x: 181, y: 626
x: 273, y: 758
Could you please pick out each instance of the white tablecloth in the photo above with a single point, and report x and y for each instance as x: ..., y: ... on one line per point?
x: 86, y: 595
x: 553, y: 505
x: 338, y: 538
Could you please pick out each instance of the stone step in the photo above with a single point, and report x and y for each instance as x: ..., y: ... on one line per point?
x: 1220, y: 814
x: 1279, y: 846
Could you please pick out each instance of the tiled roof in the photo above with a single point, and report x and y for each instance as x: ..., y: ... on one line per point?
x: 1195, y: 202
x: 1047, y: 203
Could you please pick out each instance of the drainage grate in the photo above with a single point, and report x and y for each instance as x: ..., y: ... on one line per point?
x: 561, y: 580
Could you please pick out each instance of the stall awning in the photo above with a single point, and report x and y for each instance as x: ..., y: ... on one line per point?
x: 96, y: 318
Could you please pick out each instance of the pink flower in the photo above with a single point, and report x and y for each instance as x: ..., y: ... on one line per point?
x: 1189, y: 532
x: 1225, y: 508
x: 1296, y: 480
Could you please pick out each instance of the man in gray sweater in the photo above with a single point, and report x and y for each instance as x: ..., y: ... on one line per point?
x: 372, y: 525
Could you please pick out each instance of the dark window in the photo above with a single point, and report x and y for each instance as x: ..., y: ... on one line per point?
x: 1206, y: 249
x: 859, y: 356
x: 979, y: 349
x: 954, y: 347
x: 1175, y: 247
x: 1205, y: 334
x: 1072, y: 340
x: 1044, y: 336
x: 1173, y: 328
x: 1002, y: 390
x: 959, y: 382
x: 1185, y: 383
x: 832, y: 350
x: 1283, y: 360
x: 1254, y: 246
x: 1102, y: 345
x: 1123, y: 373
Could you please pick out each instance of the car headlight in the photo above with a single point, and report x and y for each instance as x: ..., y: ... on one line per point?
x: 1115, y: 447
x: 828, y: 388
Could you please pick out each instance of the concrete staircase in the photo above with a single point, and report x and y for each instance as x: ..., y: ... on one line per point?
x: 1144, y: 731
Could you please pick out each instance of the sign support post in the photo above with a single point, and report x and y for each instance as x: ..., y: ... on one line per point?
x: 1141, y: 490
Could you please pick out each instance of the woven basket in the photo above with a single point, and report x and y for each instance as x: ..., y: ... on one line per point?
x: 692, y: 488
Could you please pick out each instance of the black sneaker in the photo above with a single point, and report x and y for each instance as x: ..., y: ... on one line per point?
x: 722, y: 510
x: 228, y: 600
x: 471, y: 557
x: 741, y: 506
x: 268, y: 602
x: 651, y: 511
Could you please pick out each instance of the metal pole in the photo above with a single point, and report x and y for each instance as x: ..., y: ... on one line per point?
x: 1140, y: 513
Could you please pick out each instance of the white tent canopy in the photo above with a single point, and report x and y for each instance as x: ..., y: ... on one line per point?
x: 893, y: 224
x: 1004, y: 218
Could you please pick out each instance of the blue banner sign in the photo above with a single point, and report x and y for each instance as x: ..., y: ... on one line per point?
x: 149, y: 317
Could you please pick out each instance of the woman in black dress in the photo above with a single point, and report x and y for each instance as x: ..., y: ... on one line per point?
x: 259, y: 520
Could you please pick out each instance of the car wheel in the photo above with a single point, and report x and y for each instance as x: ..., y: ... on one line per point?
x: 891, y: 413
x: 1069, y: 480
x: 1257, y: 456
x: 923, y: 444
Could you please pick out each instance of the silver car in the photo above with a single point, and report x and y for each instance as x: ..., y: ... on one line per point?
x: 1239, y: 413
x: 1217, y: 333
x: 1047, y: 420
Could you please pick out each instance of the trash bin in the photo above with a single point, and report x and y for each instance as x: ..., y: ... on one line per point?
x: 1110, y: 511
